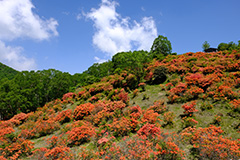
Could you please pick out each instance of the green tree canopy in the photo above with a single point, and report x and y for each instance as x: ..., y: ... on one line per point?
x: 132, y: 61
x: 205, y: 45
x: 228, y: 46
x: 161, y: 47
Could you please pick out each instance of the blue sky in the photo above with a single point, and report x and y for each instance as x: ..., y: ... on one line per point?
x: 71, y: 35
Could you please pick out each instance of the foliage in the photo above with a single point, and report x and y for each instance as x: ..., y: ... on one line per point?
x: 205, y: 45
x: 228, y: 46
x: 161, y: 46
x: 7, y: 72
x: 98, y: 120
x: 159, y: 75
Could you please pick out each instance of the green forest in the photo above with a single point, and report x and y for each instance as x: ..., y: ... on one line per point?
x: 138, y: 105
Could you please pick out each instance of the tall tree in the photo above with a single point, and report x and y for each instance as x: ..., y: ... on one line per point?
x: 161, y: 47
x: 205, y: 45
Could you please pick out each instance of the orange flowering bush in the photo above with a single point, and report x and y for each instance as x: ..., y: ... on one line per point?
x: 81, y: 132
x: 16, y: 148
x: 122, y: 126
x: 235, y: 105
x: 147, y: 144
x: 176, y: 92
x: 59, y: 153
x: 142, y: 85
x: 64, y: 116
x: 189, y: 108
x: 121, y: 95
x: 19, y: 118
x: 39, y: 128
x: 69, y: 96
x: 210, y: 144
x: 158, y: 107
x: 134, y: 112
x: 135, y: 93
x: 168, y: 117
x: 193, y: 92
x: 225, y: 92
x: 82, y: 110
x: 150, y: 116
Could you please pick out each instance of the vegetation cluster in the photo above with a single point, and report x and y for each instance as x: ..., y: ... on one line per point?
x: 177, y: 107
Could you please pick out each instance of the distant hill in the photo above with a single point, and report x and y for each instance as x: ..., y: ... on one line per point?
x: 7, y: 72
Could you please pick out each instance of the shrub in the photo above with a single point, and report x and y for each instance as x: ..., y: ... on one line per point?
x: 122, y: 127
x: 150, y: 116
x: 82, y: 110
x: 168, y: 117
x: 80, y: 133
x: 159, y: 75
x: 208, y: 143
x: 64, y: 116
x: 158, y: 107
x: 235, y: 105
x: 189, y: 108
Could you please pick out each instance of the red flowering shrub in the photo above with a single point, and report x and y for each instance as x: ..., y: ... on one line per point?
x: 142, y: 85
x: 112, y: 106
x: 4, y: 133
x: 179, y: 89
x: 149, y: 130
x: 150, y: 116
x: 189, y: 122
x: 21, y: 117
x: 168, y: 117
x: 59, y: 153
x: 82, y: 110
x: 135, y: 112
x: 39, y: 128
x: 14, y: 150
x: 193, y: 92
x: 189, y: 108
x: 176, y: 92
x: 105, y: 110
x: 193, y: 78
x: 135, y: 93
x: 148, y: 144
x: 225, y: 92
x: 210, y: 144
x: 80, y: 133
x: 158, y: 107
x: 64, y: 116
x: 235, y: 105
x: 123, y: 126
x: 122, y: 95
x: 168, y: 86
x: 69, y: 95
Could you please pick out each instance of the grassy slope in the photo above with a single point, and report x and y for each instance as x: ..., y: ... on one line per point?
x: 229, y: 119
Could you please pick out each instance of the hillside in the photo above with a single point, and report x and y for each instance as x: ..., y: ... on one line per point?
x: 7, y: 72
x: 186, y: 107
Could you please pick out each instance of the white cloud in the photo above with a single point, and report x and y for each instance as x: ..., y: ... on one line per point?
x: 99, y: 60
x: 14, y: 58
x: 17, y: 20
x: 115, y: 33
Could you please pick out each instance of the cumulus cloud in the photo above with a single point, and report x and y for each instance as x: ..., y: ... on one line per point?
x: 99, y: 60
x: 115, y: 33
x: 14, y: 57
x: 17, y: 20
